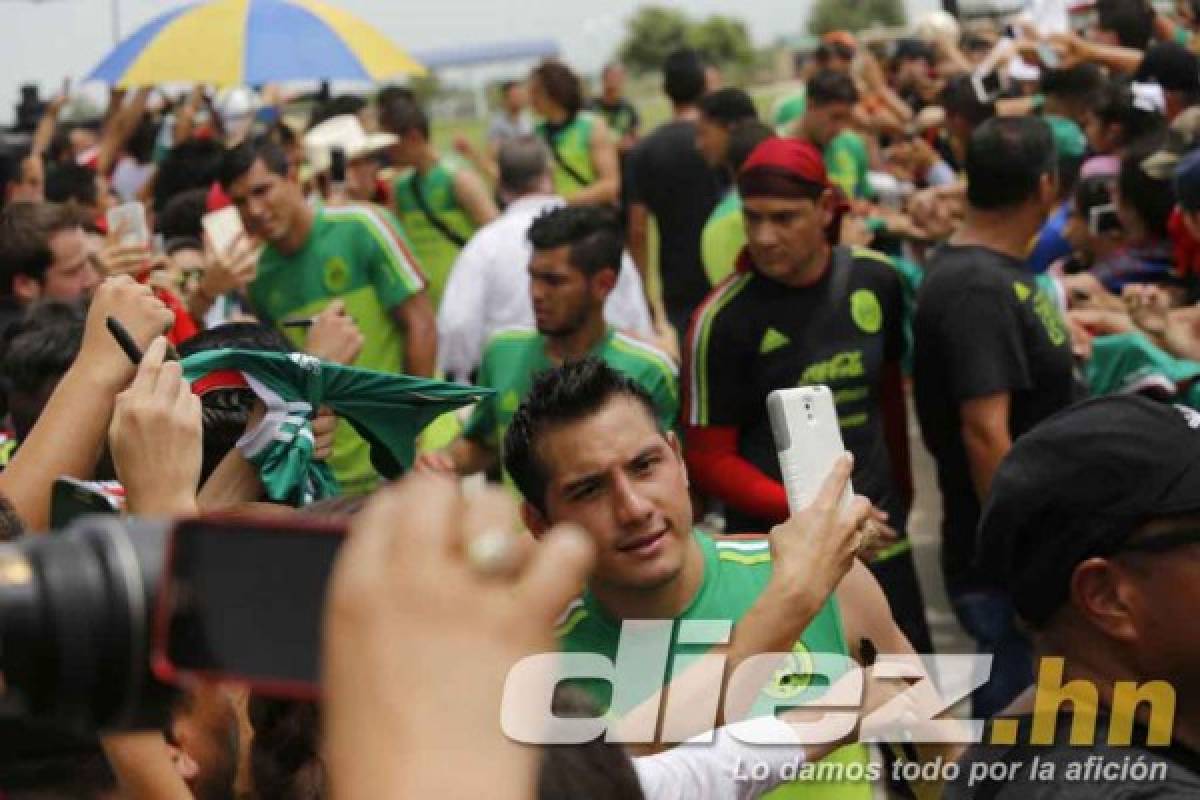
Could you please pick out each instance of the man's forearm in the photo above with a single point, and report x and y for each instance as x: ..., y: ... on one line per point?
x: 470, y: 456
x: 601, y: 192
x: 772, y: 625
x: 985, y: 450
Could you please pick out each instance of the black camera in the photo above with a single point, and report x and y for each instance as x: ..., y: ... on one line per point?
x: 75, y: 617
x: 100, y: 620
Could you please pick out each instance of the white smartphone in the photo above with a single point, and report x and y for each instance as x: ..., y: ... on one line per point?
x: 223, y: 228
x: 130, y: 220
x: 808, y: 439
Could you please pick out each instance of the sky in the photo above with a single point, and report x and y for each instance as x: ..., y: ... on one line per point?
x: 45, y: 41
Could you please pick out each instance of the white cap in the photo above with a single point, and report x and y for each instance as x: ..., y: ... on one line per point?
x: 344, y: 131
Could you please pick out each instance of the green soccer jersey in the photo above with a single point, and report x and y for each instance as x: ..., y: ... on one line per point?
x: 736, y: 571
x: 435, y: 249
x: 571, y: 156
x: 788, y: 110
x: 846, y: 161
x: 1129, y: 362
x: 355, y: 253
x: 512, y: 357
x: 723, y: 238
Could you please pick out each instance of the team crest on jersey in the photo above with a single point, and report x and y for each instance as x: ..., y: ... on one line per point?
x: 865, y: 311
x: 794, y: 676
x: 336, y: 275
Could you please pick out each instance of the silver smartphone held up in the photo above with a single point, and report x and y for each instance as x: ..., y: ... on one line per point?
x: 808, y: 439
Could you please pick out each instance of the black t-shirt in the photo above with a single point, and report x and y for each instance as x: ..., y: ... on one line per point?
x: 1098, y: 772
x: 982, y: 326
x: 621, y: 116
x: 754, y: 335
x: 668, y: 175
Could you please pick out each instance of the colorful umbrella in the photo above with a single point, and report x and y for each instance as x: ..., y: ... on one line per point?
x: 252, y: 42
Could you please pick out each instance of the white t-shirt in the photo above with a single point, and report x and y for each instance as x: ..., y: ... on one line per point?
x: 726, y: 768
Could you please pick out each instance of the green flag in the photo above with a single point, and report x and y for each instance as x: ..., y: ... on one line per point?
x: 387, y: 410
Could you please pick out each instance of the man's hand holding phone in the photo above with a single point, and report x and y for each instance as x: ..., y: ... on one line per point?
x: 229, y: 270
x: 816, y: 546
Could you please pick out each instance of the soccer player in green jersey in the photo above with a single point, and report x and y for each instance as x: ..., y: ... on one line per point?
x: 312, y: 257
x: 586, y: 448
x: 440, y: 202
x: 586, y: 167
x: 576, y: 255
x: 831, y: 100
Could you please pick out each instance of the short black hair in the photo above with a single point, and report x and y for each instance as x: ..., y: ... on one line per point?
x: 225, y: 412
x: 593, y: 234
x: 25, y: 231
x: 1081, y: 83
x: 1131, y: 20
x: 1172, y: 66
x: 66, y: 183
x: 558, y: 397
x: 598, y: 769
x: 400, y: 114
x: 958, y: 97
x: 684, y: 80
x: 34, y: 354
x: 1006, y: 159
x: 1152, y: 198
x: 728, y: 107
x: 1115, y: 105
x: 285, y: 754
x: 183, y: 215
x: 829, y: 86
x: 238, y: 160
x: 194, y: 164
x: 11, y: 161
x: 560, y: 83
x: 743, y: 138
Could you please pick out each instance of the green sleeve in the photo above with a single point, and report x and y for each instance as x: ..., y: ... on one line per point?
x: 393, y: 267
x: 665, y: 394
x: 481, y: 425
x: 842, y: 166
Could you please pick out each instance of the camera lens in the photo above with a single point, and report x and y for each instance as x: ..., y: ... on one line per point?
x: 75, y: 612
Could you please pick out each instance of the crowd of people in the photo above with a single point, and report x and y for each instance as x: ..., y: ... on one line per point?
x: 530, y: 375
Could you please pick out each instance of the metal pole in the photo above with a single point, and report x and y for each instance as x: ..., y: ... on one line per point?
x: 115, y: 5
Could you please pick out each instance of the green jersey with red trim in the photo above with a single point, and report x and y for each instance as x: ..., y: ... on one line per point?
x: 358, y: 254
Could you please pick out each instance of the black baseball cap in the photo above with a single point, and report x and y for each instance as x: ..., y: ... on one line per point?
x: 1079, y: 485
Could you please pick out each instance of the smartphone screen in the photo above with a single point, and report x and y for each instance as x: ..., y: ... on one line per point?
x: 129, y: 221
x: 243, y: 600
x: 223, y: 228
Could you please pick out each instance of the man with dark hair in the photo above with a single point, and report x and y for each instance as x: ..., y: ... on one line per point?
x: 670, y: 180
x: 1091, y: 528
x: 720, y: 112
x: 312, y: 257
x: 22, y: 178
x: 512, y: 118
x: 439, y: 201
x: 992, y: 359
x: 724, y: 233
x: 43, y: 255
x: 620, y: 114
x: 1177, y: 70
x: 194, y: 164
x: 826, y: 120
x: 488, y: 288
x: 35, y: 354
x: 576, y: 256
x: 1127, y: 23
x: 586, y: 448
x: 586, y: 163
x: 801, y: 311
